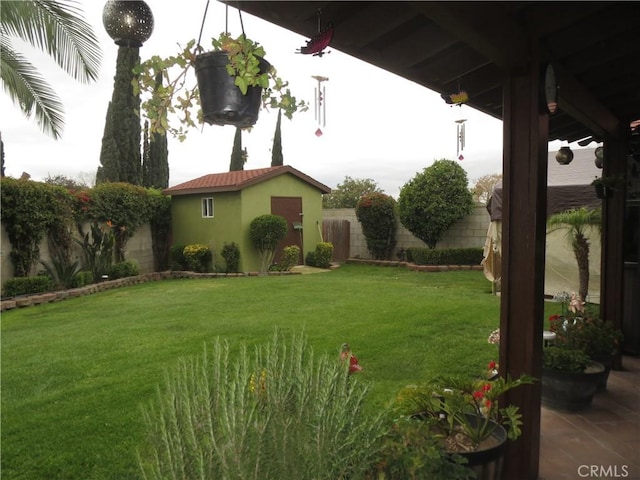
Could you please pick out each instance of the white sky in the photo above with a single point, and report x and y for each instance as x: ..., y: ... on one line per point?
x: 378, y: 125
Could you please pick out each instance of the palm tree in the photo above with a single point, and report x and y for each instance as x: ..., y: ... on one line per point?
x: 577, y: 222
x: 57, y: 28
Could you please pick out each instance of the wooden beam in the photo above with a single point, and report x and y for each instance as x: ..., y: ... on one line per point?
x: 523, y: 249
x: 579, y: 103
x: 486, y: 27
x: 612, y: 258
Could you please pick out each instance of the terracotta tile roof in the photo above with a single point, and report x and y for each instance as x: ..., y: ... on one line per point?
x: 235, y: 181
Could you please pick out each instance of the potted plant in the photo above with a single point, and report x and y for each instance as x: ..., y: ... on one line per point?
x: 605, y: 186
x: 233, y: 81
x: 466, y: 414
x: 569, y: 378
x: 585, y: 331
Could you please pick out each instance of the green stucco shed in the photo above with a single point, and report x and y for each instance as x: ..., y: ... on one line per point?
x: 217, y: 208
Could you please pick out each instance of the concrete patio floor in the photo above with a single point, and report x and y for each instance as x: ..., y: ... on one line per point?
x: 602, y: 442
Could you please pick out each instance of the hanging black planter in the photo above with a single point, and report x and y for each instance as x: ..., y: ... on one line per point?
x: 221, y: 100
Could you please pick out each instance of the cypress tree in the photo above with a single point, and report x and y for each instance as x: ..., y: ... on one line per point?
x: 146, y: 164
x: 276, y: 151
x: 155, y: 156
x: 238, y: 156
x: 120, y: 154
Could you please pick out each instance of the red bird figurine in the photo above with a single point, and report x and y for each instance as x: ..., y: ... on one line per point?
x: 345, y: 354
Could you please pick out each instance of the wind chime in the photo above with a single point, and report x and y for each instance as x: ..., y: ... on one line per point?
x: 458, y: 99
x: 320, y: 104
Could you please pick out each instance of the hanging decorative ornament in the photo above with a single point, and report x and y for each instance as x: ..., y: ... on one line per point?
x: 128, y: 23
x: 316, y: 45
x: 599, y: 157
x: 318, y: 133
x: 320, y: 103
x: 460, y: 137
x: 564, y: 156
x: 459, y: 98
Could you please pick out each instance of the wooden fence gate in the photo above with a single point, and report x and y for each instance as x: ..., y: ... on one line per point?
x: 338, y: 233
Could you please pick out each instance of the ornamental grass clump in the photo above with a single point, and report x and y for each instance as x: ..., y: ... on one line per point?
x: 278, y: 413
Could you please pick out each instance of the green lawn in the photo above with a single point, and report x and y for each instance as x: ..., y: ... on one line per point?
x: 75, y: 373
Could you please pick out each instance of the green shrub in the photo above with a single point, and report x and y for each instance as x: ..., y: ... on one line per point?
x: 376, y: 213
x: 198, y: 257
x: 27, y: 285
x: 565, y: 359
x: 266, y: 231
x: 290, y: 258
x: 123, y: 270
x: 445, y: 256
x: 81, y: 279
x: 322, y: 255
x: 231, y: 254
x: 281, y: 412
x: 412, y: 449
x: 177, y: 260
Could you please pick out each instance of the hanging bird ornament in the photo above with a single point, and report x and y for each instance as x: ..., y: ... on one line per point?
x: 346, y: 355
x: 316, y: 45
x: 320, y: 105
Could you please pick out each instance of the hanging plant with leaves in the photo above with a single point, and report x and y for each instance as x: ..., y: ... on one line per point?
x: 179, y: 92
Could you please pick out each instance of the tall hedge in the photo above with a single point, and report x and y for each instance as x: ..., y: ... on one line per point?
x: 376, y: 213
x: 29, y: 211
x: 125, y: 206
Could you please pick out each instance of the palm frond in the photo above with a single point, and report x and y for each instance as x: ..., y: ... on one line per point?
x: 576, y: 221
x: 29, y: 90
x: 59, y: 29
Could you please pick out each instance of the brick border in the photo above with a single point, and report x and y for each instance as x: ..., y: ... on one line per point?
x: 49, y: 297
x: 413, y: 266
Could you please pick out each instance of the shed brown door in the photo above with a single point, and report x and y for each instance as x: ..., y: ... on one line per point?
x: 291, y: 209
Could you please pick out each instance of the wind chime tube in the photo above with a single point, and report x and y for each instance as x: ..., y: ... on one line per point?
x: 462, y: 128
x: 324, y: 107
x: 457, y: 140
x: 315, y: 104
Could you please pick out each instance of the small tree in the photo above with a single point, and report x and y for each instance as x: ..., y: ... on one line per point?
x: 577, y: 222
x: 277, y: 158
x: 347, y: 193
x: 266, y: 231
x: 484, y: 187
x: 434, y: 200
x: 376, y: 212
x: 238, y: 155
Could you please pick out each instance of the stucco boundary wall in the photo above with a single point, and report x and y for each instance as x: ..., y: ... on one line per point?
x: 138, y: 250
x: 469, y: 232
x: 49, y: 297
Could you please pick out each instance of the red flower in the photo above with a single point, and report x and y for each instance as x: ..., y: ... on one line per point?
x: 492, y: 365
x: 487, y: 404
x: 478, y: 395
x: 486, y: 387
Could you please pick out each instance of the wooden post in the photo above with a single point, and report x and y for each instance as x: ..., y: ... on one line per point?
x: 523, y: 248
x: 612, y: 257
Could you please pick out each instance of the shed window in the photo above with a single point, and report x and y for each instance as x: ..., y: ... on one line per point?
x: 207, y: 207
